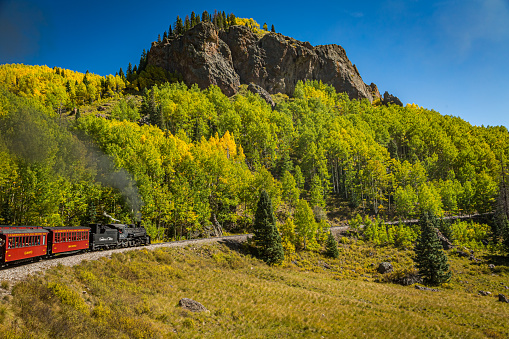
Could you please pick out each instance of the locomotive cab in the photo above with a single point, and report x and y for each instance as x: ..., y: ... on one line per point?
x: 103, y: 237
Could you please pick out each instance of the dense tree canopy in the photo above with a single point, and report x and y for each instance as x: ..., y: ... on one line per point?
x: 196, y: 168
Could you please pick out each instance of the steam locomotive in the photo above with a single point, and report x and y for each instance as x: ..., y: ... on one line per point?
x: 23, y: 243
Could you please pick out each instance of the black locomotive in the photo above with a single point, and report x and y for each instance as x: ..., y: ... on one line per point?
x: 117, y: 236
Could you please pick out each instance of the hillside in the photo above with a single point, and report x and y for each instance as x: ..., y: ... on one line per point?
x: 136, y: 295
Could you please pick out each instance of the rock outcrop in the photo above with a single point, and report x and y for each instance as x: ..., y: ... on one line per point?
x: 205, y: 56
x: 191, y: 305
x: 391, y: 99
x: 262, y: 93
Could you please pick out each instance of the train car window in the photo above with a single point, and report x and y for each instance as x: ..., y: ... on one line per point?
x: 23, y: 241
x: 73, y: 236
x: 38, y: 240
x: 44, y: 239
x: 32, y: 240
x: 10, y: 243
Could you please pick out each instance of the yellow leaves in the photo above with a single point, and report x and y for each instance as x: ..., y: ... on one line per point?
x: 252, y: 24
x: 413, y: 106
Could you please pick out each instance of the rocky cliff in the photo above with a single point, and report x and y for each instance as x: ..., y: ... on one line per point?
x: 205, y: 55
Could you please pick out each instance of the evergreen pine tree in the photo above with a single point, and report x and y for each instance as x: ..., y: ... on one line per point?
x: 430, y: 258
x: 331, y: 247
x: 500, y: 230
x: 85, y: 79
x: 193, y: 19
x: 205, y: 16
x: 159, y: 38
x: 165, y: 35
x: 266, y: 235
x: 224, y: 21
x: 232, y: 20
x: 187, y: 23
x: 170, y: 32
x: 179, y: 26
x: 272, y: 29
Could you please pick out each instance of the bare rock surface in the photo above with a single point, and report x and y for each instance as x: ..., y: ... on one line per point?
x: 205, y: 56
x: 191, y: 305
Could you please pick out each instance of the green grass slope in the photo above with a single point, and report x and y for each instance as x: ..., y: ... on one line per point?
x: 136, y: 295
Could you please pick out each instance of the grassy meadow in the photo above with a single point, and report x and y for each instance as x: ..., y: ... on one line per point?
x: 136, y: 295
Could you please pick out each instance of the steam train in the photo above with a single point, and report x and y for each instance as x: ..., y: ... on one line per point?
x: 24, y: 243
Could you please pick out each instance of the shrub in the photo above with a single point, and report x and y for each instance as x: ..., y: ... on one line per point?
x: 68, y: 296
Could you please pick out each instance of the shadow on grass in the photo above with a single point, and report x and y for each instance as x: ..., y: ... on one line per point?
x: 236, y: 245
x: 498, y: 261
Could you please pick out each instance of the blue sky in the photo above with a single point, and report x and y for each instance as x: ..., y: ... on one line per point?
x: 450, y: 56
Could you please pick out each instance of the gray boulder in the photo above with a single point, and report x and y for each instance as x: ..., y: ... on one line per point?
x: 385, y: 267
x: 191, y: 305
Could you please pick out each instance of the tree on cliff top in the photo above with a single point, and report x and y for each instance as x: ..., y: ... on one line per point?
x: 266, y: 235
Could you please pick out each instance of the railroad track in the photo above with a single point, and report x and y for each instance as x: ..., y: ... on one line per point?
x: 18, y: 272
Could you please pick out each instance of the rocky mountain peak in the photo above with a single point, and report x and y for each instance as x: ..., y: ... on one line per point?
x: 227, y: 58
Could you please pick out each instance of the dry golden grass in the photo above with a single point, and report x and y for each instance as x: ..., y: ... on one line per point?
x: 136, y: 294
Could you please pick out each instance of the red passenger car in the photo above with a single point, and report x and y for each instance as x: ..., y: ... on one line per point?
x: 68, y: 239
x: 20, y: 243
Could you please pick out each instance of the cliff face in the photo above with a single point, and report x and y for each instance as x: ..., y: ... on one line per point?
x: 274, y: 62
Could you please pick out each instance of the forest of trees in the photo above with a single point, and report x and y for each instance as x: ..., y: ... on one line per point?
x: 198, y: 167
